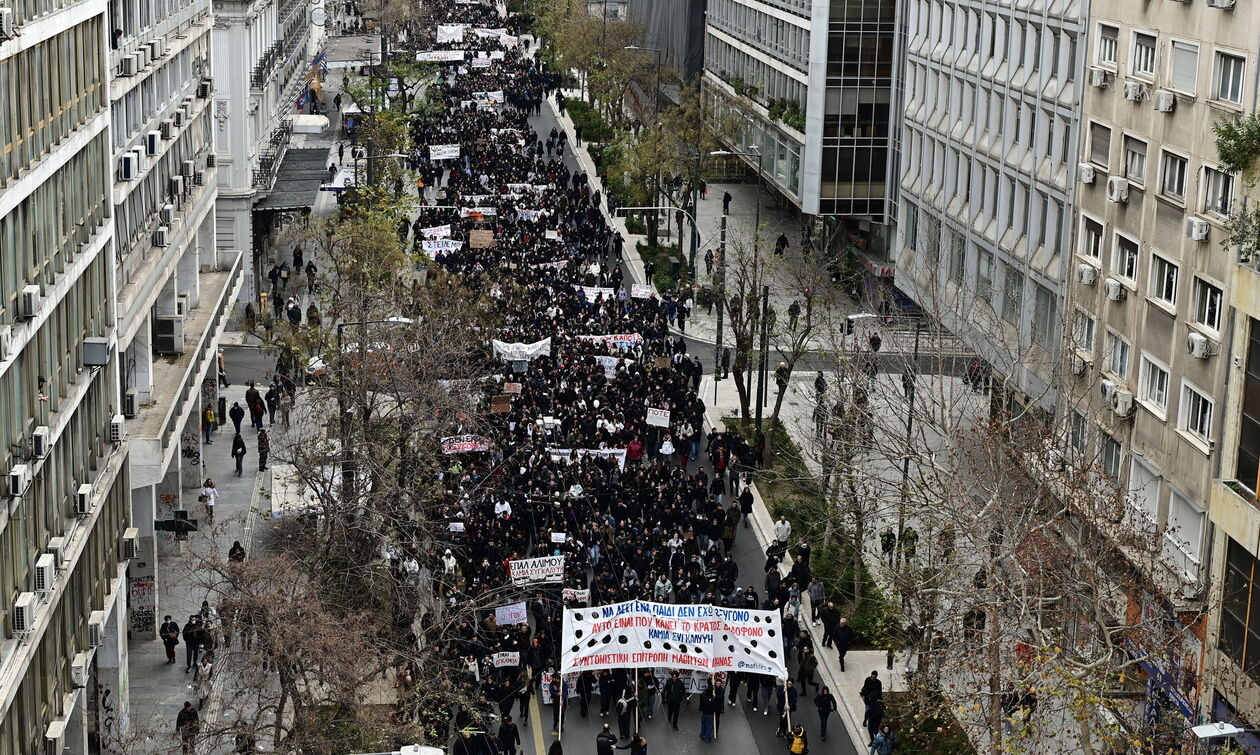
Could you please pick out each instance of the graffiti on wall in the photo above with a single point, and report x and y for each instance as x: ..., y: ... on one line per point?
x: 140, y: 600
x: 190, y: 450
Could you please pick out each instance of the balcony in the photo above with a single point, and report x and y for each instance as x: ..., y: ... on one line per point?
x: 269, y: 159
x: 177, y: 380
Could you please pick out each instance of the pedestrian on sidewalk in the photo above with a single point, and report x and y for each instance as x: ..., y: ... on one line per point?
x: 817, y: 596
x: 708, y: 262
x: 577, y: 132
x: 187, y: 726
x: 888, y: 545
x: 257, y: 411
x: 286, y: 406
x: 238, y: 451
x: 273, y: 403
x: 264, y: 448
x: 825, y: 702
x: 201, y: 679
x: 843, y: 635
x: 169, y: 632
x: 341, y: 152
x: 209, y: 497
x: 223, y: 381
x: 874, y: 717
x: 192, y: 643
x: 236, y: 414
x: 236, y: 554
x: 297, y: 257
x: 885, y: 742
x: 875, y: 342
x: 726, y: 202
x: 207, y: 422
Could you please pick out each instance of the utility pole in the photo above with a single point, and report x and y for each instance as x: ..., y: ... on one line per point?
x: 905, y: 461
x: 720, y: 293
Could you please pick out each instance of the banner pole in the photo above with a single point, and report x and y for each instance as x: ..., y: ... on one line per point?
x: 560, y: 702
x: 638, y: 705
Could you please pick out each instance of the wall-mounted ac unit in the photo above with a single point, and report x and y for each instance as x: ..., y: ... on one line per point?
x: 96, y: 351
x: 130, y: 403
x: 187, y: 168
x: 128, y: 167
x: 96, y: 629
x: 1165, y: 101
x: 153, y: 142
x: 1086, y: 274
x: 162, y: 236
x: 24, y: 609
x: 142, y: 57
x: 1106, y: 388
x: 57, y: 549
x: 1114, y: 289
x: 79, y: 669
x: 117, y: 428
x: 179, y: 116
x: 168, y: 129
x: 1197, y: 229
x: 45, y: 573
x: 198, y: 178
x: 130, y: 543
x: 29, y: 302
x: 157, y: 48
x: 1134, y: 90
x: 41, y: 441
x: 19, y: 480
x: 1088, y: 173
x: 1098, y: 77
x: 1222, y: 4
x: 129, y: 65
x: 168, y: 334
x: 167, y: 215
x: 6, y: 23
x: 6, y: 342
x: 1198, y: 345
x: 1122, y: 402
x: 176, y: 186
x: 212, y: 160
x: 83, y: 499
x: 181, y: 305
x: 205, y: 88
x: 1117, y: 189
x: 1080, y: 365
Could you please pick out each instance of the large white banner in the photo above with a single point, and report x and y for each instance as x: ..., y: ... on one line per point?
x: 620, y: 340
x: 594, y: 293
x: 451, y: 32
x: 640, y: 634
x: 565, y: 454
x: 442, y: 245
x: 641, y: 291
x: 513, y: 613
x: 526, y: 351
x: 537, y: 570
x: 443, y: 151
x: 468, y: 212
x: 437, y: 232
x: 439, y: 56
x: 610, y: 364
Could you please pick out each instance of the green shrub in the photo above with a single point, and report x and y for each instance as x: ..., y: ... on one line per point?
x: 594, y: 129
x: 1238, y: 142
x: 635, y: 225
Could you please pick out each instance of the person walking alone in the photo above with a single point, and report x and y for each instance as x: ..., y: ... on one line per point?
x: 825, y: 702
x: 169, y: 632
x: 264, y: 448
x: 238, y: 452
x: 236, y: 414
x: 187, y: 727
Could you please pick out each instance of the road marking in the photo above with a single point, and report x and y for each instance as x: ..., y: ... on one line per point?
x: 535, y: 714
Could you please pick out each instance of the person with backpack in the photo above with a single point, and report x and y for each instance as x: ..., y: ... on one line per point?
x: 798, y: 742
x: 884, y: 743
x: 626, y: 705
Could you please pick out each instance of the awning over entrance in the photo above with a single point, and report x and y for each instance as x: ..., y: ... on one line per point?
x: 297, y: 184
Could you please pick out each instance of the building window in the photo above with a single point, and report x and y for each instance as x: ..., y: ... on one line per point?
x: 1091, y: 238
x: 1108, y: 37
x: 1218, y: 191
x: 1164, y: 280
x: 1013, y: 295
x: 1118, y: 351
x: 1207, y: 305
x: 1143, y: 63
x: 1086, y: 328
x: 1185, y: 66
x: 1173, y: 182
x: 957, y: 256
x: 1078, y: 432
x: 1229, y: 77
x: 1247, y: 466
x: 1240, y: 635
x: 1196, y: 412
x: 1135, y: 160
x: 1183, y: 537
x: 1143, y: 496
x: 1099, y: 144
x: 1153, y: 384
x: 1045, y: 314
x: 984, y: 274
x: 1111, y: 457
x: 1124, y: 258
x: 911, y: 214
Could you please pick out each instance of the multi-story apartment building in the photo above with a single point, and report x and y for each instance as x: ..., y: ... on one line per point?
x: 258, y: 86
x: 174, y: 285
x: 988, y: 158
x: 65, y: 526
x: 812, y: 87
x: 1151, y: 281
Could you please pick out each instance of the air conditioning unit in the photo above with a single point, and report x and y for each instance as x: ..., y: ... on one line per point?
x: 1080, y: 365
x: 6, y: 342
x: 1086, y: 274
x: 205, y: 88
x: 96, y: 351
x: 130, y: 543
x: 1114, y: 289
x: 45, y: 574
x: 1088, y: 173
x: 130, y: 403
x: 152, y: 142
x: 162, y: 236
x: 181, y: 305
x: 117, y: 428
x: 6, y: 23
x: 29, y: 301
x: 169, y: 334
x: 83, y: 499
x: 128, y: 167
x: 96, y: 629
x: 157, y: 48
x: 1134, y: 91
x: 212, y: 160
x: 179, y: 117
x: 1222, y: 4
x: 187, y: 168
x: 1117, y: 189
x: 130, y: 64
x: 41, y: 441
x: 168, y: 129
x: 199, y: 178
x: 167, y: 215
x: 1197, y: 229
x: 57, y: 549
x: 176, y: 186
x: 1098, y: 77
x: 19, y: 480
x: 24, y: 612
x: 55, y: 738
x: 1165, y: 101
x: 140, y: 161
x: 142, y: 57
x: 1106, y: 388
x: 1198, y: 345
x: 79, y: 669
x: 1122, y: 402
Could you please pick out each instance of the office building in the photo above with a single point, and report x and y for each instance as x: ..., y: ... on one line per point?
x: 989, y: 139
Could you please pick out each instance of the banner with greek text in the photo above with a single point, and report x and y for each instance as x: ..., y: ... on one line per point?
x: 507, y: 660
x: 558, y: 454
x: 511, y: 614
x: 469, y: 212
x: 594, y: 294
x: 536, y: 570
x: 439, y: 56
x: 641, y: 291
x: 481, y: 62
x: 620, y: 340
x: 451, y: 32
x: 436, y: 232
x: 522, y: 351
x: 641, y: 634
x: 443, y: 151
x: 442, y: 245
x: 458, y: 444
x: 574, y: 594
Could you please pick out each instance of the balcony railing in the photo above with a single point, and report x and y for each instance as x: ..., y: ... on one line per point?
x: 269, y: 160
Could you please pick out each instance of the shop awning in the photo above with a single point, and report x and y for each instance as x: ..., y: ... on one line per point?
x: 297, y: 184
